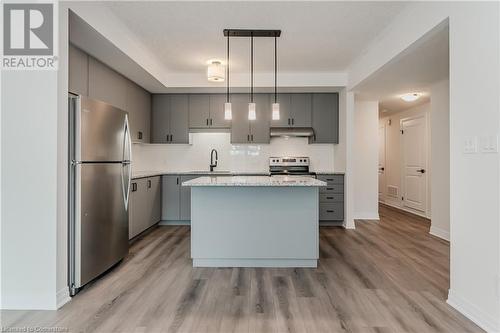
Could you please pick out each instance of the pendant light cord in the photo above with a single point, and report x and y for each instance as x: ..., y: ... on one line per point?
x: 251, y: 68
x: 227, y: 69
x: 275, y: 71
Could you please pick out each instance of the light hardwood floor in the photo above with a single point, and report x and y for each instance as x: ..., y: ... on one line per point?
x: 390, y: 276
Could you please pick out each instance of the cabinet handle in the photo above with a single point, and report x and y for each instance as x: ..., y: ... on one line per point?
x: 210, y: 121
x: 207, y: 121
x: 251, y: 137
x: 149, y: 183
x: 248, y: 137
x: 293, y: 121
x: 329, y: 188
x: 329, y: 198
x: 288, y: 121
x: 330, y: 179
x: 171, y: 137
x: 177, y: 180
x: 139, y: 135
x: 168, y: 137
x: 134, y: 187
x: 330, y: 211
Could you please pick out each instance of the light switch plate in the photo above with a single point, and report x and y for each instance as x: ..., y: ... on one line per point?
x: 470, y: 145
x: 489, y: 144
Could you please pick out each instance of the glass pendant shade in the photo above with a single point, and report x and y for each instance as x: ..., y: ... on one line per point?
x: 215, y: 71
x: 251, y: 111
x: 276, y: 111
x: 228, y: 114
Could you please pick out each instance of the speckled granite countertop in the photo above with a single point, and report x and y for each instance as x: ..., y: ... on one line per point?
x: 152, y: 173
x: 254, y: 181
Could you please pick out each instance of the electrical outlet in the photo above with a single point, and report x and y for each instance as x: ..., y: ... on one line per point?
x: 470, y: 145
x: 489, y: 144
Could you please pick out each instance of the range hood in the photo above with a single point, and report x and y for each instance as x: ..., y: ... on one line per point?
x: 292, y: 131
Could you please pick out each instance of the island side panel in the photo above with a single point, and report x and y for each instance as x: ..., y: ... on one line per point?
x: 254, y: 226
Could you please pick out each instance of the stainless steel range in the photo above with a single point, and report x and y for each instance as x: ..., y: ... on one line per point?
x: 287, y: 165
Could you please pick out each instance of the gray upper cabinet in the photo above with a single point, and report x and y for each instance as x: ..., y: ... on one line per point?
x: 301, y: 110
x: 78, y: 71
x: 217, y: 111
x: 240, y: 125
x: 179, y: 119
x: 259, y: 128
x: 285, y: 110
x: 170, y: 119
x: 199, y: 111
x: 325, y: 118
x: 139, y: 111
x: 207, y: 111
x: 160, y: 119
x: 107, y: 85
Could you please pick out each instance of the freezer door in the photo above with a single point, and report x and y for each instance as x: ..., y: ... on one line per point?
x: 101, y: 131
x: 101, y: 221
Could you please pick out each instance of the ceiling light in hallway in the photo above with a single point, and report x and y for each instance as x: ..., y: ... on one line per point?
x: 410, y: 97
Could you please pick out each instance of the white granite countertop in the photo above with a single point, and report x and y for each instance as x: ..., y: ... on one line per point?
x: 254, y: 181
x: 153, y: 173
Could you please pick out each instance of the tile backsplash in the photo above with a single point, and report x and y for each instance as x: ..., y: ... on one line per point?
x: 238, y: 158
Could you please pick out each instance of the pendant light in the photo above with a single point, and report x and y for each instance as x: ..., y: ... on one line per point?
x: 228, y: 115
x: 252, y: 115
x: 276, y: 105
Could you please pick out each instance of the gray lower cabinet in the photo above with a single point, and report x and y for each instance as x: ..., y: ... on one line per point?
x: 170, y: 208
x: 170, y: 118
x: 185, y: 199
x: 331, y: 198
x: 325, y: 118
x: 144, y: 204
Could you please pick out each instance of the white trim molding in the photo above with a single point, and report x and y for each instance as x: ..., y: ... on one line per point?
x: 471, y: 311
x: 62, y: 297
x: 438, y: 232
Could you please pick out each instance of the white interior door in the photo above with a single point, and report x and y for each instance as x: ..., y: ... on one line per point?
x: 414, y: 158
x: 381, y: 163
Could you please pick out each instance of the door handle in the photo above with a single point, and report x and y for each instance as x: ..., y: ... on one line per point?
x: 421, y: 170
x: 381, y: 169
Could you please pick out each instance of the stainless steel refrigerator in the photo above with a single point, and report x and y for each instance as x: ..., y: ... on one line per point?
x: 100, y: 176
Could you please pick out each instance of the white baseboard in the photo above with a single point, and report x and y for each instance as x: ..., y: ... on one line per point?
x: 366, y: 216
x: 414, y: 212
x: 441, y: 233
x: 471, y: 311
x: 62, y: 297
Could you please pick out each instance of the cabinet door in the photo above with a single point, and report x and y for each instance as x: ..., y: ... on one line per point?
x: 153, y: 200
x: 240, y: 126
x: 137, y: 207
x: 285, y: 110
x: 160, y: 119
x: 78, y: 71
x: 139, y: 112
x: 170, y: 197
x: 301, y: 110
x: 179, y: 119
x: 199, y: 111
x: 260, y: 127
x: 217, y: 111
x: 186, y: 198
x: 325, y: 118
x: 107, y: 85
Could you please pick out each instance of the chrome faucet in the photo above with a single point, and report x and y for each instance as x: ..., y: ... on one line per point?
x: 212, y: 165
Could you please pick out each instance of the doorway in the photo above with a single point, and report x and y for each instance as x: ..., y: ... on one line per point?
x: 381, y: 163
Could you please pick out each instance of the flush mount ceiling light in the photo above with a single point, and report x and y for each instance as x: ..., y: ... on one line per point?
x: 410, y: 97
x: 215, y: 71
x: 252, y: 113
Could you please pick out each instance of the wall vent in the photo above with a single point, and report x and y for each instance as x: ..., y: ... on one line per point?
x: 392, y: 191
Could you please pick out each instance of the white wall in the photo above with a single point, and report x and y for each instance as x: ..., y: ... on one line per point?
x: 474, y: 111
x: 393, y: 159
x: 29, y: 189
x: 365, y: 160
x: 241, y: 158
x: 440, y: 159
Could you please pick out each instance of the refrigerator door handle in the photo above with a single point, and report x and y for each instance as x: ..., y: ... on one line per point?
x: 127, y: 163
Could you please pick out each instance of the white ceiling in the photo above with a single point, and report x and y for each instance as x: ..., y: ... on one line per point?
x: 414, y: 70
x: 316, y: 36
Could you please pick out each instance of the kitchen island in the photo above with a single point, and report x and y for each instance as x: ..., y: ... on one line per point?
x: 254, y: 221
